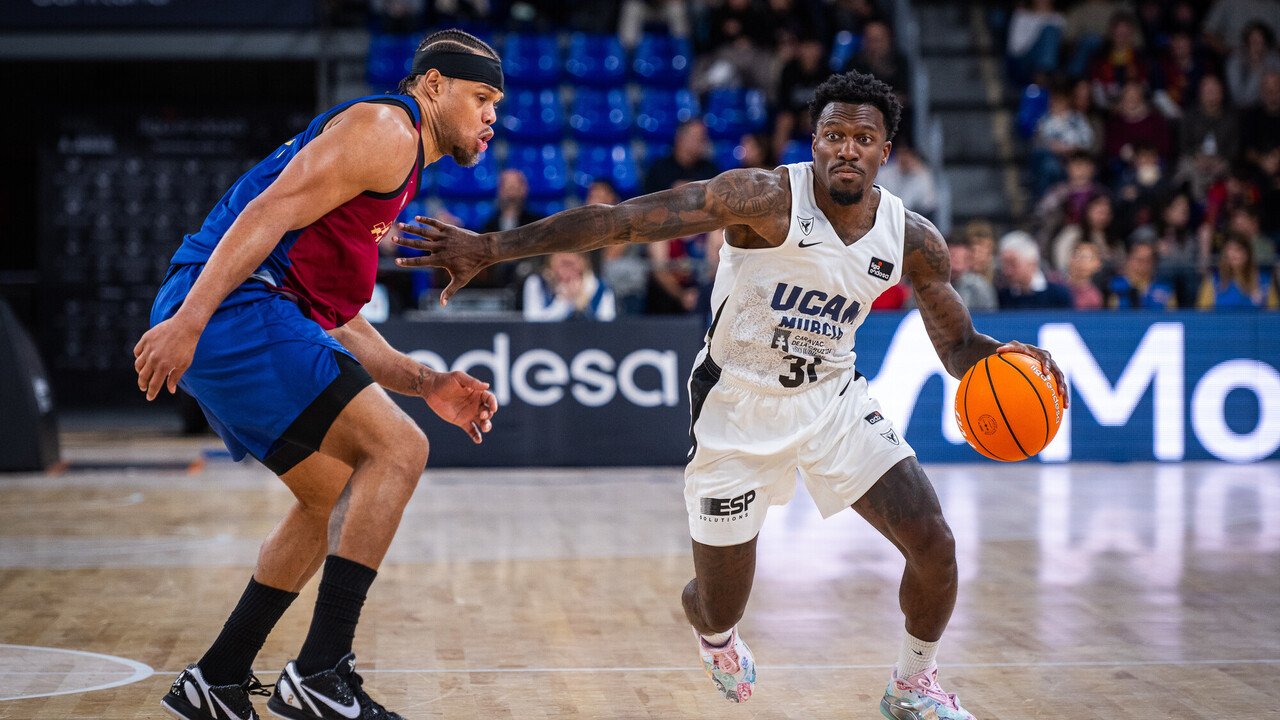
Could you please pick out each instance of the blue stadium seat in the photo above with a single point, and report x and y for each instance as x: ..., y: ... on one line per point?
x: 450, y: 181
x: 662, y: 60
x: 533, y: 116
x: 843, y: 48
x: 531, y: 61
x: 544, y: 166
x: 732, y: 112
x: 615, y: 163
x: 596, y: 60
x: 795, y: 151
x: 390, y: 59
x: 473, y: 213
x: 661, y: 110
x: 600, y: 115
x: 726, y: 155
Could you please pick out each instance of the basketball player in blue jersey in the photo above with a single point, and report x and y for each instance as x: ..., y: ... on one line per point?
x: 258, y: 319
x: 808, y: 247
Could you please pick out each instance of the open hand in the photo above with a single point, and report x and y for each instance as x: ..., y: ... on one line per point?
x: 461, y: 400
x: 163, y: 354
x: 1046, y: 365
x: 459, y: 251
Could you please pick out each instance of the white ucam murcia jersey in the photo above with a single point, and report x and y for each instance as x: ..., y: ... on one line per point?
x: 785, y: 317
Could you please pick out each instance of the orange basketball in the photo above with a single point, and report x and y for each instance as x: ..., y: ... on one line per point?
x: 1007, y: 407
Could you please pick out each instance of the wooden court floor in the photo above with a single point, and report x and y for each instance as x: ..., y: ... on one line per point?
x: 1087, y: 591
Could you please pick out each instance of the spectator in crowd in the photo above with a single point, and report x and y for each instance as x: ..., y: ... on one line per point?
x: 757, y: 152
x: 513, y: 193
x: 1064, y: 203
x: 567, y: 289
x: 1086, y: 30
x: 1024, y: 284
x: 1268, y: 163
x: 639, y: 16
x: 1255, y: 57
x: 1137, y: 287
x: 397, y: 16
x: 1211, y: 127
x: 624, y: 268
x: 1237, y: 282
x: 1096, y: 226
x: 800, y: 77
x: 1133, y: 122
x: 879, y: 57
x: 1082, y: 102
x: 907, y: 176
x: 1035, y: 39
x: 1140, y: 185
x: 681, y: 272
x: 1180, y: 249
x: 1177, y: 71
x: 975, y: 290
x: 689, y: 159
x: 980, y: 236
x: 739, y: 47
x: 1260, y: 124
x: 1235, y: 189
x: 1246, y: 224
x: 1061, y: 132
x: 1225, y: 24
x: 850, y: 16
x: 1120, y: 61
x: 1082, y: 270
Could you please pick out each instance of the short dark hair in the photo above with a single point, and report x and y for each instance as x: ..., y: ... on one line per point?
x: 858, y: 88
x: 449, y: 41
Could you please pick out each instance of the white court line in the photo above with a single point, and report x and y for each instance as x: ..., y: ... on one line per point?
x: 864, y: 666
x: 140, y: 671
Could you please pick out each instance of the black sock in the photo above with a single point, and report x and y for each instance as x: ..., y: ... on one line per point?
x: 333, y: 626
x: 230, y: 658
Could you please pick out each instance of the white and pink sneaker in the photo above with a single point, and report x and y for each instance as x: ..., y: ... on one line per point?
x: 919, y: 697
x: 731, y: 667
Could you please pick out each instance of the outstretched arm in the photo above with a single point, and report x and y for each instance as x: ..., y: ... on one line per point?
x: 753, y: 198
x: 455, y: 396
x: 959, y: 345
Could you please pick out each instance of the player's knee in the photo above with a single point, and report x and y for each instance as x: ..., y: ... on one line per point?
x: 408, y: 453
x: 929, y: 541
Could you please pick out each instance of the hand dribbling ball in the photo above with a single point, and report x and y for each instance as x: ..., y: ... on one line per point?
x: 1007, y: 407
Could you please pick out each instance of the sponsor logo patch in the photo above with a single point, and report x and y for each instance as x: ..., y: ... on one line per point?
x: 726, y: 507
x: 874, y: 417
x: 882, y: 269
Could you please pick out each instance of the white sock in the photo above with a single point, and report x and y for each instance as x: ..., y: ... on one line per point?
x: 718, y: 639
x: 915, y: 655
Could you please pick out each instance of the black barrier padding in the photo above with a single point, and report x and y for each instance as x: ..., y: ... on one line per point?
x: 28, y: 427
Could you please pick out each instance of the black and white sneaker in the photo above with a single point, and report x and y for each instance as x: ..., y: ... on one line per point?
x: 191, y: 698
x: 336, y: 694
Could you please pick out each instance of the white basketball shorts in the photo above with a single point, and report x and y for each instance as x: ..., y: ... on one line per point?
x: 748, y: 447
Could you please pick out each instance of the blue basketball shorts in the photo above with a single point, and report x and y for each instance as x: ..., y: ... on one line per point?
x: 270, y: 380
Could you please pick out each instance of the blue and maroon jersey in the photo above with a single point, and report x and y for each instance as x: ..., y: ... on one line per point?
x: 331, y: 264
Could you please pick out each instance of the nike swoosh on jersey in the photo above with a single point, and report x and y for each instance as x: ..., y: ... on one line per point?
x: 803, y: 245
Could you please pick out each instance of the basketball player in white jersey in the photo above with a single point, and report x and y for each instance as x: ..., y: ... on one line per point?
x: 808, y: 247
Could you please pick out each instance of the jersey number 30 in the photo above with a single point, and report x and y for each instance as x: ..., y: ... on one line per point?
x: 802, y: 369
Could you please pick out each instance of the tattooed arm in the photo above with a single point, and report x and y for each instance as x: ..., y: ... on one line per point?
x: 928, y: 265
x: 758, y: 200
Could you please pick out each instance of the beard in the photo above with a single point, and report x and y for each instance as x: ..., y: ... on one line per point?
x: 842, y: 197
x: 465, y: 157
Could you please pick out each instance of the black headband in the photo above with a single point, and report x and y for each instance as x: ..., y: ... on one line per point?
x: 460, y: 65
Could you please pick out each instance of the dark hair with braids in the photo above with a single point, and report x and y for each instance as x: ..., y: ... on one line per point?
x: 858, y: 88
x: 448, y: 41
